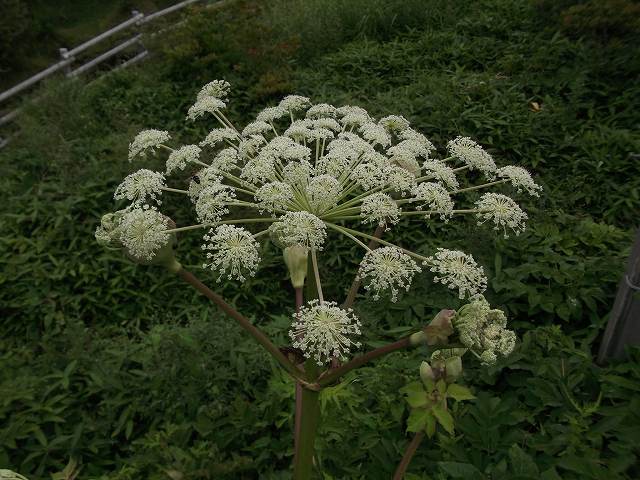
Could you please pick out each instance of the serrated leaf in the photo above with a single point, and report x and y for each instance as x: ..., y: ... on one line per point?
x: 444, y: 418
x: 417, y: 420
x: 417, y: 399
x: 430, y: 427
x: 459, y: 393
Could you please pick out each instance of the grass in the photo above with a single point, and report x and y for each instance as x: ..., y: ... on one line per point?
x: 136, y: 376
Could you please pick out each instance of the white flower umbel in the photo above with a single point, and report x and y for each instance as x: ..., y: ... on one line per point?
x: 323, y: 192
x: 218, y: 136
x: 294, y: 103
x: 394, y: 123
x: 299, y: 228
x: 520, y: 179
x: 502, y: 211
x: 256, y: 128
x: 141, y: 186
x: 483, y: 330
x: 178, y: 159
x: 387, y: 269
x: 274, y: 196
x: 304, y: 169
x: 417, y: 137
x: 204, y: 178
x: 399, y: 179
x: 216, y: 89
x: 143, y: 232
x: 211, y: 203
x: 205, y: 105
x: 381, y: 209
x: 321, y: 110
x: 232, y: 251
x: 297, y: 174
x: 457, y: 270
x: 324, y: 331
x: 473, y: 155
x: 271, y: 114
x: 147, y: 140
x: 376, y: 134
x: 226, y: 160
x: 441, y: 173
x: 434, y: 198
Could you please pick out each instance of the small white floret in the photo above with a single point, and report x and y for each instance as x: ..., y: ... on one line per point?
x: 381, y: 209
x: 324, y: 331
x: 147, y: 140
x: 299, y: 228
x: 140, y: 186
x: 178, y: 159
x: 387, y: 269
x: 473, y: 155
x: 457, y: 270
x: 502, y: 211
x: 232, y: 251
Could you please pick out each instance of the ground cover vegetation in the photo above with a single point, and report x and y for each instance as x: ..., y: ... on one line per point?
x: 132, y: 375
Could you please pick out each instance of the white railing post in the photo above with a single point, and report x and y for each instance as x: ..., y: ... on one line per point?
x: 64, y: 55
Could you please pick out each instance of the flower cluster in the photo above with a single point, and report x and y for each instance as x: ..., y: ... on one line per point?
x: 299, y: 173
x: 483, y: 330
x: 324, y: 331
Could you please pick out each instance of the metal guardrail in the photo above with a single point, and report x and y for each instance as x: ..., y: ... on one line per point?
x: 106, y: 55
x: 68, y: 57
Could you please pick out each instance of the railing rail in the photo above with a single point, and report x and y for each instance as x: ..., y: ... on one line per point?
x: 68, y: 57
x: 136, y: 18
x: 106, y: 55
x: 167, y: 10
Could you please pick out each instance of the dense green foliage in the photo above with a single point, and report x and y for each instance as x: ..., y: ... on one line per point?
x: 134, y: 375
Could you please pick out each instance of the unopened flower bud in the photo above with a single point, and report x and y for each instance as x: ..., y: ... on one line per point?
x: 426, y: 373
x: 452, y: 368
x: 440, y: 328
x: 296, y: 259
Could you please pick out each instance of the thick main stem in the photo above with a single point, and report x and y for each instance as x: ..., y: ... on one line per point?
x: 309, y: 410
x: 242, y: 321
x: 408, y: 455
x: 298, y: 408
x: 309, y: 421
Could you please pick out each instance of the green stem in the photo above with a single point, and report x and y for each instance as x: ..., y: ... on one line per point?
x: 355, y: 285
x: 478, y: 187
x: 408, y: 455
x: 309, y: 422
x: 309, y: 408
x: 333, y: 375
x: 388, y: 244
x: 224, y: 222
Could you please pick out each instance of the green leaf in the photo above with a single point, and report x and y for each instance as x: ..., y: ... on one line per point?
x: 521, y: 462
x: 460, y: 470
x: 430, y: 428
x: 444, y: 418
x: 417, y: 399
x: 459, y: 393
x: 417, y: 420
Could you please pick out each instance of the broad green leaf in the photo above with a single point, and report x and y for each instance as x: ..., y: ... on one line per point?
x: 460, y: 470
x: 521, y: 462
x: 459, y: 393
x: 444, y: 418
x: 430, y: 428
x: 417, y: 420
x: 417, y: 399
